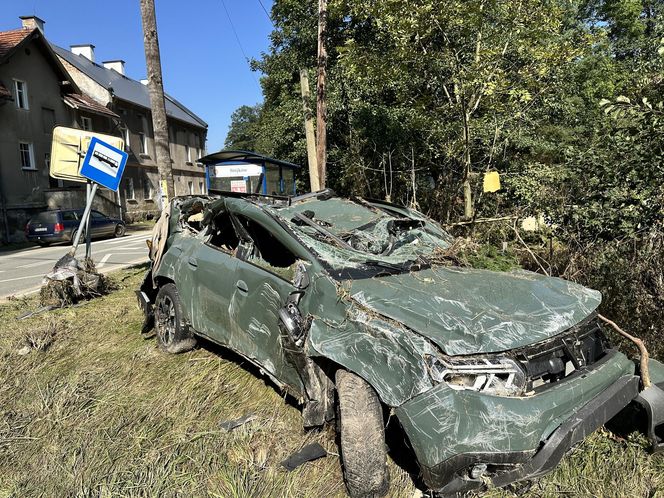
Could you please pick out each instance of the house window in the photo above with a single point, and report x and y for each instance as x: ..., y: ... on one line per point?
x: 126, y: 139
x: 142, y: 135
x: 48, y: 120
x: 86, y: 123
x: 21, y: 88
x: 187, y: 150
x: 129, y: 192
x: 200, y: 187
x: 27, y: 155
x: 191, y: 188
x: 147, y: 189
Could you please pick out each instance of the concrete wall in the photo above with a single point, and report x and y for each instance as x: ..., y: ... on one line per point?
x: 22, y: 192
x: 87, y: 85
x: 23, y: 188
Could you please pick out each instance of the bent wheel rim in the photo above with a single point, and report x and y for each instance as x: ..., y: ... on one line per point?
x: 166, y: 320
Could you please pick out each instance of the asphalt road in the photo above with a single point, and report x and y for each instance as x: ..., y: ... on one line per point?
x: 21, y: 271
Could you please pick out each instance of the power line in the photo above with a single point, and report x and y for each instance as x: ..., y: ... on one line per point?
x: 239, y: 43
x: 266, y: 13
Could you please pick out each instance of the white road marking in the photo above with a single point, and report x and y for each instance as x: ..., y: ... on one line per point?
x: 21, y: 278
x: 132, y: 238
x: 38, y: 263
x: 103, y: 260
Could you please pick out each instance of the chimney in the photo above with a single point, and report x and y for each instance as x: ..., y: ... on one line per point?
x: 32, y: 22
x: 116, y: 65
x: 87, y: 51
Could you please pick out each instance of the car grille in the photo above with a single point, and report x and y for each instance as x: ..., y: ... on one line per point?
x: 554, y: 360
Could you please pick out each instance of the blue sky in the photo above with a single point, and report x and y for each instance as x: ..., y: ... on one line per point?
x: 202, y: 63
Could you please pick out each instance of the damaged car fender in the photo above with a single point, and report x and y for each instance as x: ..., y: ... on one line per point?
x: 383, y: 352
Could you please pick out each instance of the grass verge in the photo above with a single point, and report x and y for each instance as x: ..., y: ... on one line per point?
x: 93, y: 409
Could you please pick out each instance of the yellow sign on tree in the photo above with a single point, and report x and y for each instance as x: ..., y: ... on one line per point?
x: 491, y: 181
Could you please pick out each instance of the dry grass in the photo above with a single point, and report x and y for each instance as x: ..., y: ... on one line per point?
x: 93, y: 409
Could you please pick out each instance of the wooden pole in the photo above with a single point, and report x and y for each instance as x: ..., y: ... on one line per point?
x: 157, y: 103
x: 321, y: 108
x: 309, y: 132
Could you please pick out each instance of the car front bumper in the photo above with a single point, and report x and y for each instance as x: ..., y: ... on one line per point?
x: 462, y: 439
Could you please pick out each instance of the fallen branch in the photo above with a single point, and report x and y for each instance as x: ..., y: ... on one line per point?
x: 480, y: 220
x: 518, y: 236
x: 645, y: 372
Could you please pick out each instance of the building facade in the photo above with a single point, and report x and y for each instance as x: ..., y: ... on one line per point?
x: 43, y: 86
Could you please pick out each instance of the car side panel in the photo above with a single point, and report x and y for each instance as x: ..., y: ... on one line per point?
x: 211, y: 272
x: 257, y: 296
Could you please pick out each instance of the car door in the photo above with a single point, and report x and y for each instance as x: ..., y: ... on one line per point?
x: 100, y: 225
x: 262, y: 282
x: 208, y: 268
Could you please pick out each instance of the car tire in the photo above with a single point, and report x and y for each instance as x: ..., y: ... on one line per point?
x: 73, y: 237
x: 119, y: 231
x: 362, y: 437
x: 173, y: 333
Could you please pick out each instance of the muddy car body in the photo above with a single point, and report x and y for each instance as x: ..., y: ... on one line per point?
x: 493, y: 376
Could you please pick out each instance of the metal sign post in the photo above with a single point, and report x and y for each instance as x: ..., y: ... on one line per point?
x: 88, y: 234
x: 84, y: 219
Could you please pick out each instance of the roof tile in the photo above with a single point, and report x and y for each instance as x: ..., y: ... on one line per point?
x: 9, y: 39
x: 4, y: 93
x: 78, y: 101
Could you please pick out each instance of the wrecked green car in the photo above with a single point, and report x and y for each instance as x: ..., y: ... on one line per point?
x: 348, y: 305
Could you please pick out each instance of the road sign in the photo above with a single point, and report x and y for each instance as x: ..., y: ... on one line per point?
x: 69, y: 147
x: 104, y: 164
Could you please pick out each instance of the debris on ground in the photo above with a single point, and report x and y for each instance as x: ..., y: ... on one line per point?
x: 454, y: 255
x: 38, y: 311
x: 24, y: 350
x: 41, y: 337
x: 72, y: 281
x: 310, y: 452
x: 229, y: 425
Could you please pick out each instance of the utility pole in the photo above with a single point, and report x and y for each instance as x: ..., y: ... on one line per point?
x: 309, y: 132
x: 156, y: 88
x: 321, y: 108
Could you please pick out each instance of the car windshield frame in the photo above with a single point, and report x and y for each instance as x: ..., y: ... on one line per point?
x: 344, y: 261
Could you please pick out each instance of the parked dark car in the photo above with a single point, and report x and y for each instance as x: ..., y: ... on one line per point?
x: 493, y: 376
x: 61, y: 225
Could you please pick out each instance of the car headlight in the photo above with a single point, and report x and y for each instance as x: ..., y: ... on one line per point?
x: 500, y: 376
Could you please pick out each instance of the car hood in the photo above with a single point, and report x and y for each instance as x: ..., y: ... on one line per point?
x: 469, y: 311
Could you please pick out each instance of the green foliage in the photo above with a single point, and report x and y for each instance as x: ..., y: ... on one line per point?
x: 242, y: 132
x: 562, y: 97
x: 490, y: 258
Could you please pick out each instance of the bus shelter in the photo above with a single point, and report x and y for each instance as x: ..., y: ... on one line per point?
x: 248, y: 172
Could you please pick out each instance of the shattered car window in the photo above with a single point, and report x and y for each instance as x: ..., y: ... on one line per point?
x: 347, y: 234
x: 268, y: 252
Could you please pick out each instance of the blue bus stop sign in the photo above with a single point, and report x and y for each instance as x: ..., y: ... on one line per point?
x: 104, y: 164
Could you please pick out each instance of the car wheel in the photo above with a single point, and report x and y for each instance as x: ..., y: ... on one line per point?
x: 362, y: 437
x: 173, y: 333
x: 73, y: 237
x: 119, y: 230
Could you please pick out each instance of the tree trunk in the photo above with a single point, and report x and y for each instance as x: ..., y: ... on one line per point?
x: 321, y: 108
x: 314, y: 180
x: 157, y: 103
x: 467, y: 190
